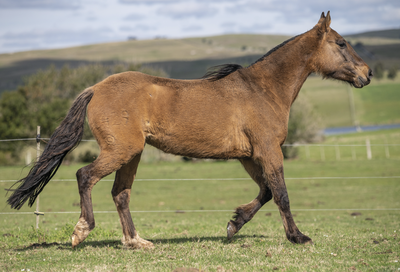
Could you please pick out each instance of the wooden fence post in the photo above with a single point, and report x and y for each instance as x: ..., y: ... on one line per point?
x: 368, y: 146
x: 37, y: 158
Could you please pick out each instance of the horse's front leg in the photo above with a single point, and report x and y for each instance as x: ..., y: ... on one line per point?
x: 273, y: 170
x: 245, y: 213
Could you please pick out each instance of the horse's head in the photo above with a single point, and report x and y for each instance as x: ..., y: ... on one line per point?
x: 335, y: 58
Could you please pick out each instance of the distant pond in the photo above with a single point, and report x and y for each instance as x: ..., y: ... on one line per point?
x: 346, y: 130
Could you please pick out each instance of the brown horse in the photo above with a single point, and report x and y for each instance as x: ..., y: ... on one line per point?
x: 234, y: 113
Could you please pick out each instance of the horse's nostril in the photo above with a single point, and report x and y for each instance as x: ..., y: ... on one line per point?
x: 370, y: 74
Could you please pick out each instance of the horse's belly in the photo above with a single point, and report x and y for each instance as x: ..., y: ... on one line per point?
x: 218, y: 147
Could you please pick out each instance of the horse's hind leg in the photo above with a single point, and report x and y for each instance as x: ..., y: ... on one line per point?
x: 87, y: 177
x: 107, y: 162
x: 121, y: 193
x: 245, y: 213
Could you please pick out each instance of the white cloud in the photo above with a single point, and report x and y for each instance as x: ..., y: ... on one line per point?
x: 134, y: 17
x: 54, y: 38
x: 148, y: 2
x: 29, y: 24
x: 192, y: 28
x: 138, y: 28
x: 40, y: 4
x: 189, y: 9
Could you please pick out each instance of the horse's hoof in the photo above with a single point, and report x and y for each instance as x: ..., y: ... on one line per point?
x: 81, y: 231
x: 231, y: 230
x: 310, y: 242
x: 300, y: 239
x: 75, y: 240
x: 305, y: 240
x: 137, y: 243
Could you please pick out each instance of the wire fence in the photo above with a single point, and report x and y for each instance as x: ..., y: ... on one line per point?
x: 233, y: 179
x: 364, y: 150
x: 202, y: 211
x: 215, y: 211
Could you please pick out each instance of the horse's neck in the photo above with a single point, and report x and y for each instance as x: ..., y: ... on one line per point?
x: 284, y: 71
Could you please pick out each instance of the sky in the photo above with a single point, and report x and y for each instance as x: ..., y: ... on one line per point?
x: 45, y: 24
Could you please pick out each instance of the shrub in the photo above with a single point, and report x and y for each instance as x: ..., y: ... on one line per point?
x: 392, y: 74
x: 303, y: 127
x: 378, y: 70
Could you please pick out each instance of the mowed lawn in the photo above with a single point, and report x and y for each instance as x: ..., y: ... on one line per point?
x: 184, y: 208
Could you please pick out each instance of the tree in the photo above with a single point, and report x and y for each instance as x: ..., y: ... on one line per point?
x: 303, y: 127
x: 392, y: 74
x: 378, y: 70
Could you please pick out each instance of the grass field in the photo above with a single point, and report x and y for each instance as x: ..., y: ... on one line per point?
x: 354, y: 222
x: 376, y: 103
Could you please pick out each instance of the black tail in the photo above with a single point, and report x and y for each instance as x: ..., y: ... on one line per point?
x: 65, y: 138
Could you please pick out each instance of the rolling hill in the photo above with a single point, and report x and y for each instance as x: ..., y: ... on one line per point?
x: 183, y: 58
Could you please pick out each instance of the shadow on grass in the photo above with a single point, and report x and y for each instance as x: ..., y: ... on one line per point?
x: 117, y: 244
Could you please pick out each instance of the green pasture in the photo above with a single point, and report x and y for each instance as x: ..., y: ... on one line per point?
x: 351, y: 209
x: 377, y: 103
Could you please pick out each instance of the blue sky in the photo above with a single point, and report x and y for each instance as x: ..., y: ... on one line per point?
x: 42, y: 24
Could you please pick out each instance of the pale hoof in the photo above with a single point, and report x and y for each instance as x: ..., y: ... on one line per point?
x: 75, y: 240
x: 230, y: 230
x: 309, y: 243
x: 137, y: 243
x: 81, y: 231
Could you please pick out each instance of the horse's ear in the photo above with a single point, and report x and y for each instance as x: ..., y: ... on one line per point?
x: 324, y: 23
x: 321, y: 18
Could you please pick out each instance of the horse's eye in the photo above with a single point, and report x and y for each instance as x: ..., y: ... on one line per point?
x: 341, y: 43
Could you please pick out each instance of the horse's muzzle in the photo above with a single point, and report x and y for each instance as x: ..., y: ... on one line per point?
x: 363, y: 81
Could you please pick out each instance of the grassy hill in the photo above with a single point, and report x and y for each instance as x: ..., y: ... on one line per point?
x: 387, y: 33
x: 182, y: 58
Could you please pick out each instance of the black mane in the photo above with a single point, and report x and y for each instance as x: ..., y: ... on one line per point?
x: 220, y: 71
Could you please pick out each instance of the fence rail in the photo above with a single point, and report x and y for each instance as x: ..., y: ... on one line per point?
x: 337, y: 151
x: 295, y: 145
x: 319, y: 152
x: 203, y: 211
x: 233, y: 179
